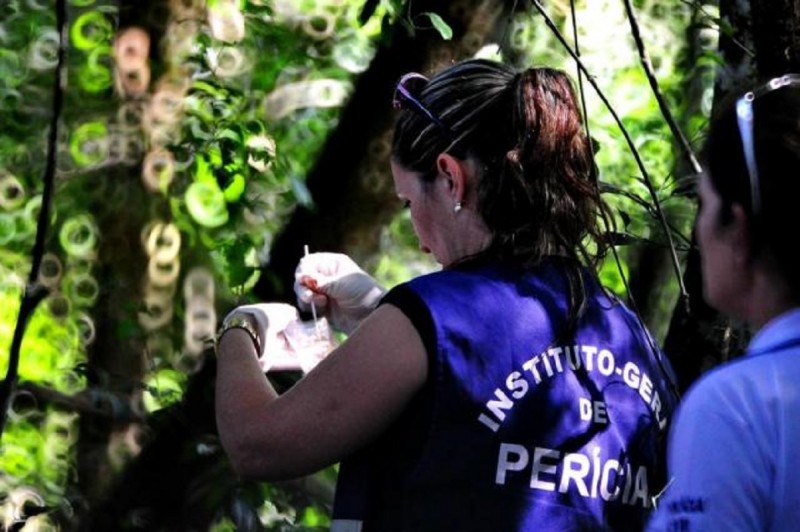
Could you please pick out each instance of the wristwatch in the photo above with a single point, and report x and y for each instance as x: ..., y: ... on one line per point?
x: 240, y: 322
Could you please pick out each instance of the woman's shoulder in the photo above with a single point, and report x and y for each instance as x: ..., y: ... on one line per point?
x: 462, y: 276
x: 488, y: 270
x: 725, y: 378
x: 742, y: 388
x: 545, y: 284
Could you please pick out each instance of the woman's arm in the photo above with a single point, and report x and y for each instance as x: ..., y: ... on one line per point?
x: 347, y: 400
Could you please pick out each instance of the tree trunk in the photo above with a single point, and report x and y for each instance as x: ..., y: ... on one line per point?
x: 116, y: 366
x: 350, y: 182
x: 776, y: 36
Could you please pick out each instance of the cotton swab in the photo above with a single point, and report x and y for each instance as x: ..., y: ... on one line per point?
x: 313, y: 307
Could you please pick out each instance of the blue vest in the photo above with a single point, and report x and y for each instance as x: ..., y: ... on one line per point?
x: 516, y: 427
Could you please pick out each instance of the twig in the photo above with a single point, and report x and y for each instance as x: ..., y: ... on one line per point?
x: 608, y: 188
x: 580, y: 80
x: 504, y: 37
x: 647, y: 65
x: 34, y: 292
x: 648, y: 182
x: 715, y: 25
x: 92, y: 402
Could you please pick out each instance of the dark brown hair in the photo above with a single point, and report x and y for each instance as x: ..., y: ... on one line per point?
x: 776, y: 140
x: 537, y: 191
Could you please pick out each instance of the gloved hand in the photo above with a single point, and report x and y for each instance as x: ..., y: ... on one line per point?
x: 270, y: 320
x: 340, y: 290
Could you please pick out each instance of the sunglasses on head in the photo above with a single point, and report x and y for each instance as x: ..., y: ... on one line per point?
x: 744, y: 120
x: 404, y: 98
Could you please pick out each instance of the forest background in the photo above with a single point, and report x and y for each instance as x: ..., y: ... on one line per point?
x: 162, y: 161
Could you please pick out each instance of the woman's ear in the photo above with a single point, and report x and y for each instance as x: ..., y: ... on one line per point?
x: 454, y: 172
x: 739, y: 233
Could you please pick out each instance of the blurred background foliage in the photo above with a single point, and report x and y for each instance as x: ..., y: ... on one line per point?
x: 187, y: 131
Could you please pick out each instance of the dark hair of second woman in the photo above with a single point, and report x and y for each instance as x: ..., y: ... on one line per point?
x: 537, y: 192
x: 776, y: 138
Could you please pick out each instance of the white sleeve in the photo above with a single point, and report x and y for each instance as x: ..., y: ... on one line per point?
x: 718, y: 477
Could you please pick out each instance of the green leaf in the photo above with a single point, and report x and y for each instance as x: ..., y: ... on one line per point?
x: 208, y: 88
x: 725, y: 26
x: 231, y: 135
x: 315, y: 518
x: 234, y: 190
x: 238, y: 272
x: 206, y: 204
x: 203, y: 172
x: 626, y: 218
x: 441, y: 26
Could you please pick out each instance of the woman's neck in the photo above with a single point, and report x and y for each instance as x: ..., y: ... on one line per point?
x: 769, y: 297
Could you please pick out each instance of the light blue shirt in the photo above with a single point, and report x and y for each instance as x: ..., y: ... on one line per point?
x: 734, y: 451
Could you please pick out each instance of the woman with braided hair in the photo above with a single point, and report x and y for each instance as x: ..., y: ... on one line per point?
x: 507, y: 391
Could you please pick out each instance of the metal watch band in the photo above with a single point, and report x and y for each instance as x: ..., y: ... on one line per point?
x: 240, y: 322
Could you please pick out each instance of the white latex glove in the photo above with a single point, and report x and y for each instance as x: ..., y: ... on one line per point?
x: 341, y: 290
x: 270, y: 320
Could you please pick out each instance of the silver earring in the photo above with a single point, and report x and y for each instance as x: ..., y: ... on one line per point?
x: 457, y: 208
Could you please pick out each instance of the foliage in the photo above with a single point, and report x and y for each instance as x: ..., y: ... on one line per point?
x: 202, y: 154
x: 183, y: 149
x: 613, y: 61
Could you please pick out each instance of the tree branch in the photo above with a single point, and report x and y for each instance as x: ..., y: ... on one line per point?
x: 93, y: 402
x: 34, y: 292
x: 647, y: 65
x: 648, y: 182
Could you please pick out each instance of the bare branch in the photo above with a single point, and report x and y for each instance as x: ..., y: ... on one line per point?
x: 647, y: 65
x: 34, y: 293
x: 92, y: 402
x: 648, y: 182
